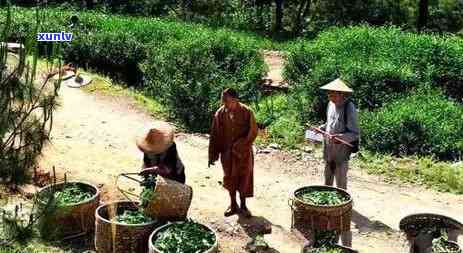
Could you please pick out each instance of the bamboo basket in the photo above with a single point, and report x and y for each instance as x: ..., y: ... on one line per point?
x: 70, y: 220
x: 153, y: 236
x: 456, y: 246
x: 307, y: 217
x: 412, y: 223
x: 171, y: 200
x: 114, y: 237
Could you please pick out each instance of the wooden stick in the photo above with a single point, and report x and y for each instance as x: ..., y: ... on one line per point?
x: 336, y: 138
x: 54, y: 175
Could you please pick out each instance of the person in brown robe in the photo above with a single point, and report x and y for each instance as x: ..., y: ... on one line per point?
x: 233, y: 132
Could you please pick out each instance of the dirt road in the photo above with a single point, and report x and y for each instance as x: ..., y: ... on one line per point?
x: 93, y: 140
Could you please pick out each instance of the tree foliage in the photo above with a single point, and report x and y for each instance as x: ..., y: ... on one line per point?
x: 27, y: 101
x: 290, y: 17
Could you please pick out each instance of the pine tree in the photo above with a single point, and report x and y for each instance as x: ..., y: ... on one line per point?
x: 27, y: 101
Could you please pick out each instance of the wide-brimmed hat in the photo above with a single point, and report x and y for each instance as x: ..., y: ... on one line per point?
x: 77, y: 81
x: 157, y: 139
x: 337, y: 85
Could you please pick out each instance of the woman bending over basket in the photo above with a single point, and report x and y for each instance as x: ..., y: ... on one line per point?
x: 160, y: 156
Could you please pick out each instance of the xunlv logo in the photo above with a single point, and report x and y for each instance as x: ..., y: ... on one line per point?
x: 62, y: 36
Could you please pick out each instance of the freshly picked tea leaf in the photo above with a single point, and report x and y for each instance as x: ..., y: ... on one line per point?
x: 322, y: 197
x: 148, y: 184
x: 328, y: 249
x: 71, y: 194
x: 323, y: 238
x: 441, y: 245
x: 132, y: 217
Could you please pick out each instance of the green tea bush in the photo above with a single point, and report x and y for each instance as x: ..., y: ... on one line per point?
x: 379, y: 64
x: 116, y: 45
x: 270, y: 108
x: 287, y: 130
x: 189, y: 75
x: 426, y: 123
x: 111, y: 53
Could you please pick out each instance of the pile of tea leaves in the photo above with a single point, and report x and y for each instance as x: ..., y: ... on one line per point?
x: 71, y: 194
x: 322, y: 197
x: 324, y: 238
x: 185, y: 237
x: 148, y: 185
x: 132, y: 217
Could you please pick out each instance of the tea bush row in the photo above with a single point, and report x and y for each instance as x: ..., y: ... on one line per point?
x: 379, y: 63
x: 186, y: 66
x: 426, y: 123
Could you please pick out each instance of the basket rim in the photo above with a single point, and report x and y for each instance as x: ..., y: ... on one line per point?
x: 403, y: 225
x: 453, y: 243
x: 161, y: 228
x: 85, y: 201
x: 341, y: 247
x: 349, y: 201
x: 98, y: 216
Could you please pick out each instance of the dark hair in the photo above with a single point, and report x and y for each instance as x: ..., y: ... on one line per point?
x: 230, y: 92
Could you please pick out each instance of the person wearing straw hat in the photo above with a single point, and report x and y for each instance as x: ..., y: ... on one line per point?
x: 233, y: 132
x: 160, y: 156
x: 341, y: 132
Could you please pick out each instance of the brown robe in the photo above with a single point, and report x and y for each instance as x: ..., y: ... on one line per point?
x: 232, y: 138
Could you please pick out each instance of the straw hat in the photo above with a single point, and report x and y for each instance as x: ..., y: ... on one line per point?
x: 77, y: 81
x: 157, y: 139
x: 337, y: 85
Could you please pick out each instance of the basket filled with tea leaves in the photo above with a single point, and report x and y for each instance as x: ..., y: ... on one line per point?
x: 321, y: 208
x: 183, y: 237
x: 67, y: 209
x: 122, y: 227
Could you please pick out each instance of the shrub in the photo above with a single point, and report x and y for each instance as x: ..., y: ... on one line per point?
x: 287, y: 130
x: 111, y: 53
x: 115, y: 45
x: 189, y: 75
x: 379, y: 63
x: 426, y: 123
x: 270, y: 108
x: 27, y: 104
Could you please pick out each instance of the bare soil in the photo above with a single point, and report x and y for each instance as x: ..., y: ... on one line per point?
x: 93, y: 140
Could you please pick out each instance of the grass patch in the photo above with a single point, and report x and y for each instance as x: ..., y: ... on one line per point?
x: 441, y: 176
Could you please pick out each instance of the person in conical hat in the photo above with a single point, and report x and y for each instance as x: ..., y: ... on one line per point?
x: 160, y: 156
x: 341, y: 135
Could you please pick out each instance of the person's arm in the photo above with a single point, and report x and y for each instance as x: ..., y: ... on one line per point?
x: 161, y: 170
x: 214, y: 151
x: 352, y: 128
x: 250, y: 137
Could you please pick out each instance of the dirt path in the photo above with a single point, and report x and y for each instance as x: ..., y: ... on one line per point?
x: 93, y: 140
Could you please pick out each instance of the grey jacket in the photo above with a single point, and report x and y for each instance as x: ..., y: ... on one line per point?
x: 335, y: 124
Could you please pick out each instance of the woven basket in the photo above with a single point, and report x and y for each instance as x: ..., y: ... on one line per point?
x: 344, y: 249
x: 307, y: 217
x: 153, y: 236
x: 70, y: 220
x: 411, y: 224
x: 456, y: 246
x: 114, y: 237
x: 171, y: 200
